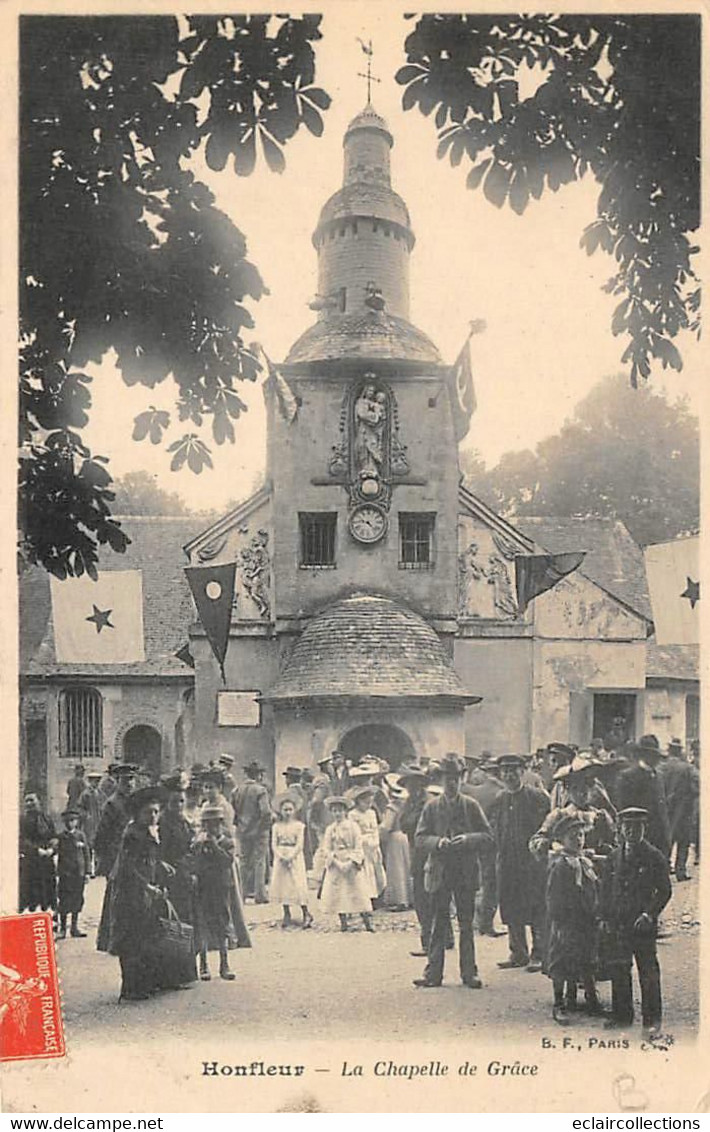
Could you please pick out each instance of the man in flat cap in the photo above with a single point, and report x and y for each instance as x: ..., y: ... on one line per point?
x: 515, y: 815
x: 252, y: 818
x: 225, y: 762
x: 452, y: 831
x: 636, y: 887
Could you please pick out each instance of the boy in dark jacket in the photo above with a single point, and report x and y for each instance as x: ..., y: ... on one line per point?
x: 73, y: 869
x: 635, y: 889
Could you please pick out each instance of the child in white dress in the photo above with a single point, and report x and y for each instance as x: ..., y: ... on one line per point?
x: 341, y: 861
x: 365, y: 818
x: 288, y: 879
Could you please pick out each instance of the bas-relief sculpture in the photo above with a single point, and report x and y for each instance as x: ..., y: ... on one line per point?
x: 253, y: 576
x: 493, y: 570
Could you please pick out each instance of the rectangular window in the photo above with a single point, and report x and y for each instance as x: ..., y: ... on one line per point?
x: 416, y: 540
x: 81, y: 724
x: 317, y: 538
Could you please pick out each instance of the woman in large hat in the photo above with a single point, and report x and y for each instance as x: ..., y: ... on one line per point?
x: 395, y: 845
x: 342, y: 859
x: 137, y: 899
x: 177, y: 836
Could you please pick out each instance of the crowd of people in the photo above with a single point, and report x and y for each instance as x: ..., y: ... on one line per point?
x: 573, y: 850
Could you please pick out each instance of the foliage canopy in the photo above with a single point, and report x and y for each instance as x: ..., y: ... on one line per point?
x: 122, y: 248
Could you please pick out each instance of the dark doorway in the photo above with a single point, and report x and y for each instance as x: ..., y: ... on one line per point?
x: 379, y: 739
x: 142, y: 745
x: 35, y: 778
x: 614, y: 718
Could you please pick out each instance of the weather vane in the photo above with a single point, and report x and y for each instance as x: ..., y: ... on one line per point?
x: 367, y: 48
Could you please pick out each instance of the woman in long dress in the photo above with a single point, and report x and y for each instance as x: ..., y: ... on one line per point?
x: 395, y: 843
x: 288, y: 879
x: 341, y: 856
x: 137, y: 901
x: 38, y: 844
x: 365, y: 818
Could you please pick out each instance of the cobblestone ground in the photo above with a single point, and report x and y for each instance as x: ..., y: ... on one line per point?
x: 342, y: 984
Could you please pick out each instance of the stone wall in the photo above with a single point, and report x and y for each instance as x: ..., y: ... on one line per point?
x: 157, y: 705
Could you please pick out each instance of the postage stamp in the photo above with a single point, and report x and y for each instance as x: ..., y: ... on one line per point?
x: 30, y: 1006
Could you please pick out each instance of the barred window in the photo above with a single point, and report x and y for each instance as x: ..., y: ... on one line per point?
x: 317, y: 537
x: 80, y: 724
x: 416, y: 540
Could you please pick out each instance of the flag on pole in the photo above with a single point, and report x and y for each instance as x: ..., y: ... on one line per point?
x: 277, y: 384
x: 537, y: 573
x: 673, y: 573
x: 98, y: 622
x: 462, y: 394
x: 213, y: 590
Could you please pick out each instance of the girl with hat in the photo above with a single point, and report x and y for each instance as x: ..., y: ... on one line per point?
x: 341, y: 856
x: 365, y: 816
x: 73, y: 868
x: 214, y: 868
x: 571, y: 897
x: 288, y: 879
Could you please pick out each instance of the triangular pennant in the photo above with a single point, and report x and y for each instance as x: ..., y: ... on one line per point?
x: 213, y: 590
x: 537, y: 573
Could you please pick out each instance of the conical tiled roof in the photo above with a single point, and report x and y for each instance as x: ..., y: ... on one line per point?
x: 368, y: 645
x: 365, y: 335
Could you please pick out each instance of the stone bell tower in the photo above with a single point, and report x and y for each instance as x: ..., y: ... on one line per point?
x: 364, y: 234
x: 365, y: 477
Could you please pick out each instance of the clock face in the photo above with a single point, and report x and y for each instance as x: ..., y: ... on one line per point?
x: 368, y: 523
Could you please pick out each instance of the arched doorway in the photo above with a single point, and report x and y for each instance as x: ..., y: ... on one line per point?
x: 142, y: 745
x: 380, y: 739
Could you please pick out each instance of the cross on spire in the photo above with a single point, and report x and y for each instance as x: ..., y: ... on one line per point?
x: 368, y: 75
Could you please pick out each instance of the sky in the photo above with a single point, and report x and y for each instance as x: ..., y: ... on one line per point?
x: 547, y: 339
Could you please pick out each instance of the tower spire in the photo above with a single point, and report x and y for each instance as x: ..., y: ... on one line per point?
x: 368, y: 75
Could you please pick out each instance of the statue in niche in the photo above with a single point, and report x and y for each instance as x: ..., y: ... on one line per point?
x: 256, y: 572
x: 469, y: 571
x: 370, y: 422
x: 498, y: 577
x: 369, y: 454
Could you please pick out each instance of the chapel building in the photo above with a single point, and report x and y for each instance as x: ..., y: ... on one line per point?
x: 374, y: 605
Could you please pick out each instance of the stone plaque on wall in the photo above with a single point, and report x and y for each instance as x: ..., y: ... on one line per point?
x: 238, y: 709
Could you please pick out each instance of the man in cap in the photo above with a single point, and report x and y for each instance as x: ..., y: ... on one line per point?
x: 114, y: 819
x: 252, y: 817
x: 636, y: 887
x: 75, y: 787
x: 452, y: 831
x: 294, y: 788
x: 340, y: 771
x: 90, y: 806
x: 639, y: 784
x: 225, y: 762
x: 108, y: 783
x: 515, y: 815
x: 484, y: 787
x: 682, y: 787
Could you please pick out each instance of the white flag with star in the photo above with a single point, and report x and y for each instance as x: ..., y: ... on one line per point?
x: 673, y: 572
x: 99, y: 622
